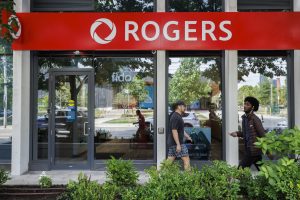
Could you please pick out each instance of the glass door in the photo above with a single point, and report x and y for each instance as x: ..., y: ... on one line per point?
x: 71, y: 118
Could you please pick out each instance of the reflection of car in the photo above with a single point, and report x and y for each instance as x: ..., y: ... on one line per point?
x: 62, y: 125
x: 190, y: 120
x: 282, y: 125
x: 8, y: 112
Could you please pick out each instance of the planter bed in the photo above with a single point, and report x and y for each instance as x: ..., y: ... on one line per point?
x: 30, y: 192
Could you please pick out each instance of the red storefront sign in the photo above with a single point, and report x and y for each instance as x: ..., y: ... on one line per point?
x: 159, y: 31
x: 4, y: 20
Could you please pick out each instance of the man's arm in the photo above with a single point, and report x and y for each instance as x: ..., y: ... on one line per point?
x: 236, y: 134
x: 259, y: 127
x: 175, y: 136
x: 187, y: 136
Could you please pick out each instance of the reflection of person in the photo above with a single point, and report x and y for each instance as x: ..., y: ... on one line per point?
x: 176, y: 147
x: 142, y: 125
x: 251, y: 129
x: 212, y: 113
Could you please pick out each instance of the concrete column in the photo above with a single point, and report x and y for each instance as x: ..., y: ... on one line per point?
x: 297, y: 75
x: 231, y: 101
x: 21, y: 104
x: 161, y: 98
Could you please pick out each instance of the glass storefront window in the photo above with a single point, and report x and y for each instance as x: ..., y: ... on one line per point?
x: 124, y: 5
x: 265, y: 6
x: 194, y: 5
x: 264, y: 78
x: 123, y: 85
x: 197, y: 81
x: 6, y: 81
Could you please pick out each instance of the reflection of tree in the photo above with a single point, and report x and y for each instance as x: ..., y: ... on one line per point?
x: 123, y: 99
x: 104, y: 68
x: 124, y: 5
x: 137, y: 89
x: 266, y: 66
x: 267, y: 93
x: 195, y: 5
x: 247, y: 90
x: 6, y: 60
x: 187, y: 83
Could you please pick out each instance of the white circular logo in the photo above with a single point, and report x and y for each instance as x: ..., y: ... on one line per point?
x: 11, y: 19
x: 96, y: 37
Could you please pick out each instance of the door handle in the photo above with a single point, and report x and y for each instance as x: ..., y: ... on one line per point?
x: 84, y: 129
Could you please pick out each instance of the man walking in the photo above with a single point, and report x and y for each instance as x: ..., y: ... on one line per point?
x: 251, y: 129
x: 141, y: 132
x: 176, y: 147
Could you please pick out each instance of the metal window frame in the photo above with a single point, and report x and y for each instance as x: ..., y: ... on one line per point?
x: 254, y: 7
x: 218, y: 54
x: 289, y: 55
x: 70, y: 9
x: 39, y: 164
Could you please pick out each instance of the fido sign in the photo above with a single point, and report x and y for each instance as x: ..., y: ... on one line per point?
x: 158, y: 31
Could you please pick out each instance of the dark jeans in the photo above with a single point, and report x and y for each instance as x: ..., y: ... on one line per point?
x: 248, y: 160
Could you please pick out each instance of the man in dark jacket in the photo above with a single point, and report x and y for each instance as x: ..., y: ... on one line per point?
x: 251, y: 129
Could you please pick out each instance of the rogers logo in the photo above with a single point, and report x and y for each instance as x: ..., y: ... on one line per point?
x: 98, y: 23
x: 14, y: 19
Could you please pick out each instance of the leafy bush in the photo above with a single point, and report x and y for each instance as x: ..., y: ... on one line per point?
x: 110, y: 191
x: 283, y: 179
x: 45, y: 181
x: 286, y: 143
x: 4, y: 176
x: 280, y: 178
x: 121, y: 173
x: 83, y: 189
x: 220, y: 181
x: 167, y: 183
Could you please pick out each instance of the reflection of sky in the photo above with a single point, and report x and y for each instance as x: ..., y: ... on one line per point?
x: 175, y: 64
x: 253, y: 80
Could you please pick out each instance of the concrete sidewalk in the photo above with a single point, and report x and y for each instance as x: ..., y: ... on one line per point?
x: 62, y: 177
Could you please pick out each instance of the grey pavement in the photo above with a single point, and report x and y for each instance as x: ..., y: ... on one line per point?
x: 62, y: 177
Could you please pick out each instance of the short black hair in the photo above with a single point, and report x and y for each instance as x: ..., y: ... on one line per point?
x: 253, y: 101
x: 138, y: 111
x: 177, y: 103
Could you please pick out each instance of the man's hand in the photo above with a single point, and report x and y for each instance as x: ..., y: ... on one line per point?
x: 178, y: 148
x: 233, y: 134
x: 189, y: 138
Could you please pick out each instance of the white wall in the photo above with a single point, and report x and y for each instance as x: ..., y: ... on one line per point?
x: 297, y: 75
x: 21, y: 104
x: 161, y: 98
x: 231, y: 102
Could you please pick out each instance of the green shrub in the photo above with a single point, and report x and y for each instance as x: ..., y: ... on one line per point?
x: 83, y: 189
x: 286, y: 143
x: 121, y: 173
x: 45, y: 181
x: 220, y: 181
x: 4, y: 176
x: 282, y: 179
x: 168, y: 183
x: 110, y: 191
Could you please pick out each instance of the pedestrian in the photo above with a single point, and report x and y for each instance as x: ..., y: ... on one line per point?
x: 176, y: 147
x: 252, y: 129
x: 141, y: 132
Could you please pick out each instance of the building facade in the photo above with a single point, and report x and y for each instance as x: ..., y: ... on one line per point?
x: 75, y: 109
